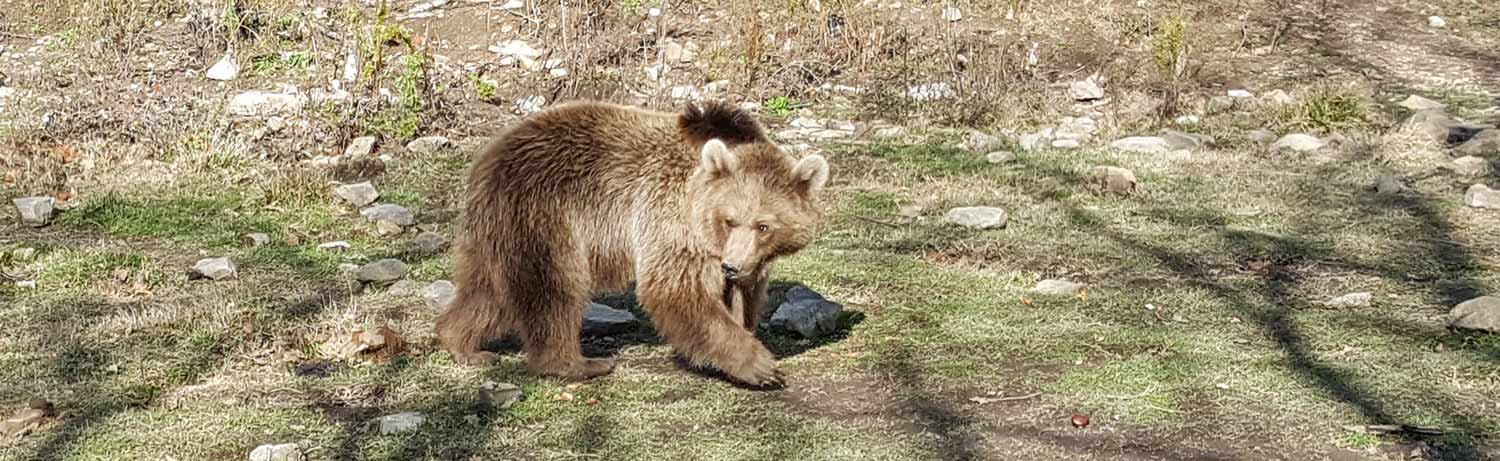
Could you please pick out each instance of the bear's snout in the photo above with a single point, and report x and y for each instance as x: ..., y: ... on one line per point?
x: 730, y: 271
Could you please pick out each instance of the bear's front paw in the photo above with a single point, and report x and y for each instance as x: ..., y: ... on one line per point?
x: 759, y: 370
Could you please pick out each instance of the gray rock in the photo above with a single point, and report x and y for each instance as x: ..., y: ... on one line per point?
x: 357, y: 194
x: 888, y: 132
x: 225, y: 69
x: 428, y: 144
x: 981, y: 142
x: 1186, y: 141
x: 1436, y: 22
x: 1113, y: 180
x: 1388, y: 185
x: 1076, y: 128
x: 1218, y: 104
x: 215, y: 268
x: 403, y: 287
x: 430, y: 242
x: 1471, y: 166
x: 499, y: 395
x: 1447, y: 131
x: 1057, y: 287
x: 952, y: 14
x: 24, y: 254
x: 1086, y: 90
x: 388, y: 228
x: 1032, y: 142
x: 978, y: 217
x: 1418, y: 103
x: 1482, y: 313
x: 1360, y: 299
x: 360, y: 147
x: 35, y: 211
x: 394, y: 214
x: 439, y: 294
x: 806, y: 312
x: 255, y: 239
x: 999, y: 157
x: 382, y: 271
x: 1143, y: 144
x: 1066, y: 144
x: 1298, y: 142
x: 1262, y: 136
x: 1278, y: 97
x: 277, y: 452
x: 1481, y: 196
x: 1485, y: 142
x: 261, y: 103
x: 601, y: 320
x: 930, y: 92
x: 335, y: 246
x: 400, y: 422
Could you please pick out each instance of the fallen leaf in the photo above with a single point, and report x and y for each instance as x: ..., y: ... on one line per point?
x: 592, y: 402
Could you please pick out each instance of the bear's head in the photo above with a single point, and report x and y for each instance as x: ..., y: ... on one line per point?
x: 753, y: 203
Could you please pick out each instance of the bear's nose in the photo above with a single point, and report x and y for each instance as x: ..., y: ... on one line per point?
x: 730, y: 271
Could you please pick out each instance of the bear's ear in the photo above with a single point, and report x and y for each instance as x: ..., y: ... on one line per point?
x: 812, y: 173
x: 718, y: 160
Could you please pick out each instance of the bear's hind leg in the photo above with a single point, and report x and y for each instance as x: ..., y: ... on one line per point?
x: 550, y: 298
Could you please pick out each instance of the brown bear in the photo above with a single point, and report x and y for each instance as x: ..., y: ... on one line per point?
x: 588, y: 197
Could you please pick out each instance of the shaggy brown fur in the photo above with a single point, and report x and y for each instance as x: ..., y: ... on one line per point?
x: 587, y: 197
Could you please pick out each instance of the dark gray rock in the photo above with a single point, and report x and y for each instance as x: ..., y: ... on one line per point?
x: 382, y: 271
x: 807, y: 313
x: 1481, y: 314
x: 360, y: 147
x: 601, y: 320
x: 1483, y: 143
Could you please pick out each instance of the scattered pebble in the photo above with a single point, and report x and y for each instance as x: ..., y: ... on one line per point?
x: 357, y: 194
x: 255, y: 239
x: 35, y: 211
x: 499, y: 395
x: 390, y: 213
x: 1388, y: 185
x: 930, y: 92
x: 1481, y: 196
x: 1057, y: 287
x: 400, y: 422
x: 439, y: 294
x: 1262, y: 136
x: 430, y: 243
x: 428, y: 144
x: 335, y: 246
x: 999, y: 157
x: 1080, y: 421
x: 1418, y: 103
x: 1361, y: 299
x: 261, y: 103
x: 978, y: 217
x: 1437, y: 22
x: 1472, y: 166
x: 1278, y: 97
x: 1143, y: 144
x: 1086, y: 90
x: 952, y: 14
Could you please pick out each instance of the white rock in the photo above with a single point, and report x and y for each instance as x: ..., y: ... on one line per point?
x: 34, y: 211
x: 530, y: 104
x: 382, y: 271
x: 255, y: 239
x: 978, y: 217
x: 1057, y: 287
x: 1188, y: 120
x: 359, y: 147
x: 600, y: 320
x: 1482, y: 314
x: 261, y: 103
x: 1437, y: 22
x: 1481, y: 196
x: 351, y: 65
x: 1032, y: 142
x: 400, y: 422
x: 1086, y: 90
x: 1360, y: 299
x: 685, y: 92
x: 1471, y: 166
x: 999, y: 157
x: 1298, y: 142
x: 1142, y: 144
x: 952, y: 14
x: 1239, y: 94
x: 516, y: 49
x: 1418, y: 103
x: 224, y: 70
x: 428, y: 144
x: 215, y: 268
x: 513, y: 5
x: 1066, y: 144
x: 930, y: 92
x: 357, y: 194
x: 277, y: 452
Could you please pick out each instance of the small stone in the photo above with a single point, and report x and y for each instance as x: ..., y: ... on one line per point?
x: 1114, y: 180
x: 1086, y: 90
x: 1066, y: 144
x: 952, y: 14
x: 978, y: 217
x: 439, y: 294
x: 26, y: 284
x: 1032, y: 142
x: 981, y: 142
x: 224, y: 70
x: 1418, y: 103
x: 255, y: 239
x: 215, y: 268
x: 1218, y: 104
x: 889, y: 132
x: 1074, y: 128
x: 360, y: 147
x: 1388, y: 185
x: 334, y: 246
x: 1298, y: 142
x: 24, y: 254
x: 430, y: 242
x: 1361, y: 299
x: 806, y: 312
x: 499, y: 395
x: 357, y: 194
x: 1262, y: 136
x: 1278, y: 97
x: 403, y: 287
x: 1481, y: 196
x: 428, y: 144
x: 1188, y: 120
x: 1486, y: 142
x: 400, y: 422
x: 382, y: 271
x: 1436, y: 22
x: 999, y: 157
x: 1057, y: 287
x: 1178, y: 140
x: 35, y: 211
x: 387, y: 228
x: 930, y: 92
x: 601, y: 320
x: 1239, y: 94
x: 348, y: 268
x: 392, y: 213
x: 1482, y: 313
x: 1471, y: 166
x: 530, y: 104
x: 261, y: 103
x: 277, y: 452
x: 1143, y: 144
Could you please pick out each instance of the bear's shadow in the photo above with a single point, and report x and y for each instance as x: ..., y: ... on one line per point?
x: 783, y: 344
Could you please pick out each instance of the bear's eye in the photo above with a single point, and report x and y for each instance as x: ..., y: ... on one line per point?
x: 762, y: 228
